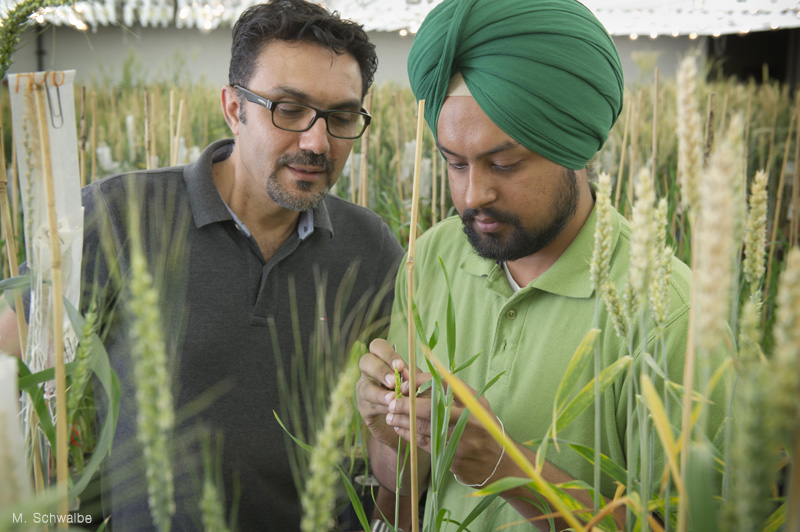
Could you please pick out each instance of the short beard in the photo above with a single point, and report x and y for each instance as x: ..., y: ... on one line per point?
x: 522, y: 242
x: 300, y: 199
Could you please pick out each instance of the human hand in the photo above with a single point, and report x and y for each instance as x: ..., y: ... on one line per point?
x: 375, y: 389
x: 478, y: 456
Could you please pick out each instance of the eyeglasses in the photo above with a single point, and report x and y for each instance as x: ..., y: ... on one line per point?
x: 298, y: 117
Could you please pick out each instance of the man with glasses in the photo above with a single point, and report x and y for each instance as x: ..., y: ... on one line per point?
x: 257, y: 266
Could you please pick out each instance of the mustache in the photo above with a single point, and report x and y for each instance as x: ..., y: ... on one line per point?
x: 306, y: 158
x: 468, y: 216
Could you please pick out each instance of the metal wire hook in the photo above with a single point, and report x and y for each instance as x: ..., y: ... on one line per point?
x: 53, y: 115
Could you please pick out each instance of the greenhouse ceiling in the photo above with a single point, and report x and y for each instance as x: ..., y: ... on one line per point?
x: 635, y: 18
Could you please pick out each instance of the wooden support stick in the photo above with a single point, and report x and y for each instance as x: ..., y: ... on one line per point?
x: 655, y: 134
x: 771, y: 149
x: 443, y: 185
x: 82, y: 151
x: 94, y: 136
x: 709, y: 144
x: 146, y: 131
x: 62, y: 474
x: 400, y: 130
x: 622, y: 151
x: 634, y: 140
x: 14, y: 186
x: 412, y: 359
x: 363, y: 196
x: 172, y: 147
x: 178, y: 125
x: 153, y: 150
x: 434, y: 185
x: 353, y: 186
x: 746, y: 154
x: 687, y: 425
x: 795, y: 227
x: 793, y: 520
x: 11, y: 244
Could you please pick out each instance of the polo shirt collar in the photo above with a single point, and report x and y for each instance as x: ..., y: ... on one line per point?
x: 204, y: 199
x: 569, y: 276
x: 208, y: 207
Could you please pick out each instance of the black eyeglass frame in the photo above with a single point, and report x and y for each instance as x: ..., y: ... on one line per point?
x: 251, y: 96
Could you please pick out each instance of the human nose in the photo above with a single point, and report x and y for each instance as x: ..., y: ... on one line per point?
x: 479, y: 191
x: 315, y: 139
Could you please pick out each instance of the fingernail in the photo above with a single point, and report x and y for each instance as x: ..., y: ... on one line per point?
x: 388, y: 397
x: 392, y: 405
x: 389, y: 418
x: 390, y: 380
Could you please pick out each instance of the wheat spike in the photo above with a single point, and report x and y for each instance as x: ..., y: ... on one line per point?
x: 319, y: 496
x: 755, y: 236
x: 690, y: 143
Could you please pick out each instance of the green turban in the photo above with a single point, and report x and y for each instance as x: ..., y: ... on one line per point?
x: 545, y: 71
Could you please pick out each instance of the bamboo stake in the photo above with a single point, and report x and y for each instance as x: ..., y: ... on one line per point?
x: 655, y: 133
x: 793, y: 521
x: 795, y: 226
x: 94, y: 136
x: 776, y: 215
x: 634, y: 149
x: 412, y: 359
x: 146, y: 130
x: 172, y: 147
x: 622, y: 152
x: 443, y: 190
x: 38, y: 474
x: 375, y: 145
x: 3, y: 168
x: 11, y: 244
x: 82, y: 152
x: 434, y: 186
x: 153, y: 150
x: 398, y: 151
x: 747, y: 133
x: 709, y: 128
x: 14, y: 184
x: 771, y: 150
x: 362, y: 171
x: 688, y: 391
x: 723, y: 114
x: 174, y: 161
x: 62, y: 476
x: 352, y: 177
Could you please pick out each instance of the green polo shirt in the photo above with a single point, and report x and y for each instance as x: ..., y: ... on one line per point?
x: 529, y: 337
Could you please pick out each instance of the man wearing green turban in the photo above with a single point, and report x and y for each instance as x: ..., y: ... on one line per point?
x: 520, y: 95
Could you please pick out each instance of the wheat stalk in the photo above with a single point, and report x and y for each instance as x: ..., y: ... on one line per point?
x: 753, y: 459
x: 601, y: 257
x: 155, y: 413
x: 715, y: 240
x: 319, y: 497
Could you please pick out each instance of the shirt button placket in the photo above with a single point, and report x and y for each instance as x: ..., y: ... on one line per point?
x: 511, y: 314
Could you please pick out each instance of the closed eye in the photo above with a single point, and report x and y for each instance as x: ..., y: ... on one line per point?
x: 504, y: 167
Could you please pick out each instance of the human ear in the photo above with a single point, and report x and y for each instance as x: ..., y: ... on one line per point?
x: 231, y: 106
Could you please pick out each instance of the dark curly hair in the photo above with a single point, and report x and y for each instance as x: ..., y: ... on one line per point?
x: 297, y: 20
